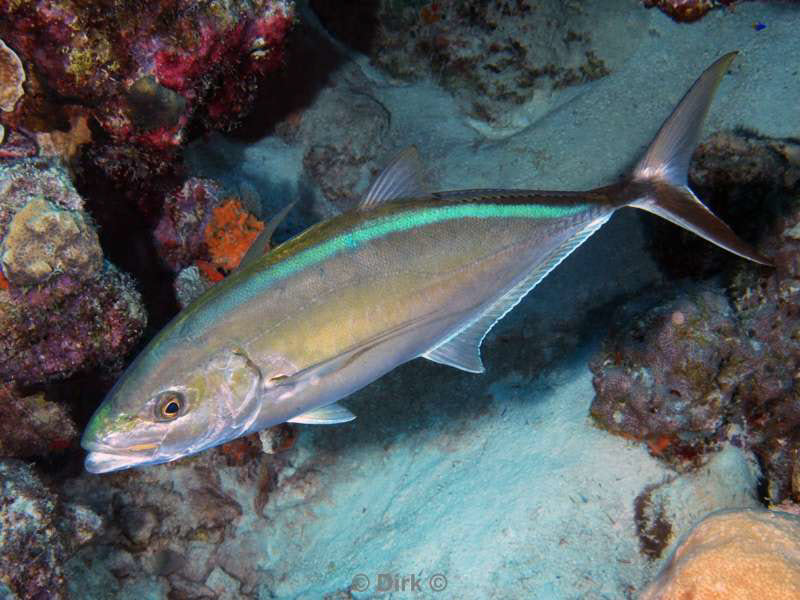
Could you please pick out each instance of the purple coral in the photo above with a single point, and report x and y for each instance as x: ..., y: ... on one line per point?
x: 699, y: 368
x: 62, y: 309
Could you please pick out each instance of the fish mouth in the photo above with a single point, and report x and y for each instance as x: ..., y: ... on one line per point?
x: 102, y: 459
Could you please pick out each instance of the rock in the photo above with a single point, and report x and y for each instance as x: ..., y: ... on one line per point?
x: 190, y: 285
x: 669, y: 375
x: 342, y: 160
x: 223, y: 585
x: 492, y: 56
x: 37, y: 533
x: 23, y: 180
x: 32, y: 426
x: 737, y: 554
x: 138, y: 523
x: 715, y: 363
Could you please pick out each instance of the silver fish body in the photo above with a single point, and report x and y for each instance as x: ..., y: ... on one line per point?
x: 408, y: 274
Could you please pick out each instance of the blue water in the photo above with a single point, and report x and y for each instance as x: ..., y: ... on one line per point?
x: 448, y: 484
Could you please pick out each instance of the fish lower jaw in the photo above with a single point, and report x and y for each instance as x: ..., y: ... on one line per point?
x: 106, y: 462
x: 105, y: 459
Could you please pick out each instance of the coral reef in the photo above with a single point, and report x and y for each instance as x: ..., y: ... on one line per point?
x: 768, y: 307
x: 32, y: 426
x: 670, y: 374
x: 501, y: 483
x: 491, y: 55
x: 143, y: 73
x: 734, y: 554
x: 38, y: 533
x: 686, y: 373
x: 62, y: 308
x: 22, y: 180
x: 43, y: 241
x: 71, y: 325
x: 187, y: 211
x: 200, y: 226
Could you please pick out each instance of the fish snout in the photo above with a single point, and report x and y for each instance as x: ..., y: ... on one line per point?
x: 109, y: 453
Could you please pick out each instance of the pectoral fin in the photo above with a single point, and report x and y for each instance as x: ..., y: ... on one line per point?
x: 327, y: 415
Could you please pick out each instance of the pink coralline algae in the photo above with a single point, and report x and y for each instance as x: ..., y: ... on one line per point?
x: 68, y: 326
x: 719, y: 364
x: 145, y: 71
x: 63, y: 309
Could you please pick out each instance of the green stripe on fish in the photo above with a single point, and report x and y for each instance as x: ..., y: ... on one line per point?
x: 382, y: 227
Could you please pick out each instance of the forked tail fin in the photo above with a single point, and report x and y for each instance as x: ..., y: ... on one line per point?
x: 662, y: 175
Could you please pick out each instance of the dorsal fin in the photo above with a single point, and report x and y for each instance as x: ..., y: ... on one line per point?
x: 259, y: 245
x: 403, y: 177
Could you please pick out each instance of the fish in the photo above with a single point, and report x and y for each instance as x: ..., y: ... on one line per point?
x: 407, y: 273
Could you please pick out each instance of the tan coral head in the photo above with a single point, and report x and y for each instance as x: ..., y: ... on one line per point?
x: 12, y: 76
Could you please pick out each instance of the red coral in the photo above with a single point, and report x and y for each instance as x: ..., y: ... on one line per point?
x: 230, y: 233
x: 200, y: 226
x: 144, y: 71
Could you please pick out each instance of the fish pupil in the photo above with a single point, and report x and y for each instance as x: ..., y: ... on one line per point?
x: 172, y: 408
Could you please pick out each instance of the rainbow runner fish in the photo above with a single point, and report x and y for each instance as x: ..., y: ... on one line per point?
x: 409, y: 273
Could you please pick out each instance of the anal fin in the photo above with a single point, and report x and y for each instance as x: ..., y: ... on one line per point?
x: 463, y: 349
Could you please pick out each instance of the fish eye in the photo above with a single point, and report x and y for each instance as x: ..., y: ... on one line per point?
x: 170, y: 405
